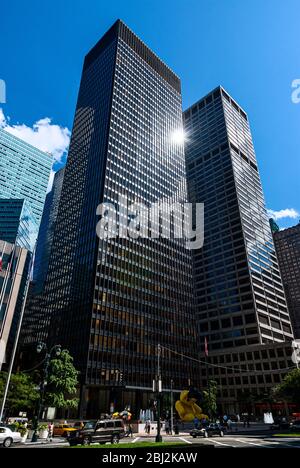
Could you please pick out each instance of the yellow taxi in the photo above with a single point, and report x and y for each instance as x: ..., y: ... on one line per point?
x: 62, y: 430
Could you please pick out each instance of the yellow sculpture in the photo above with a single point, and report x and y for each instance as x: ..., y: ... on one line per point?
x: 187, y: 407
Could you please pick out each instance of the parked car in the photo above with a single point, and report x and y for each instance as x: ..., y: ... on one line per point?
x: 100, y: 432
x: 295, y: 426
x: 63, y: 430
x: 210, y: 430
x: 280, y: 424
x: 8, y: 437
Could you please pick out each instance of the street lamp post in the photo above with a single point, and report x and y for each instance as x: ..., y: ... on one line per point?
x: 157, y: 387
x: 172, y: 410
x: 40, y: 348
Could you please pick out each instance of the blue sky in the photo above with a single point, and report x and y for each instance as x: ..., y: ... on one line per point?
x: 251, y: 47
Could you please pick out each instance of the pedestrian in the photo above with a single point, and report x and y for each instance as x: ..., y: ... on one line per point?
x: 129, y: 430
x: 176, y: 427
x: 229, y: 424
x: 148, y: 426
x: 167, y: 427
x: 50, y: 431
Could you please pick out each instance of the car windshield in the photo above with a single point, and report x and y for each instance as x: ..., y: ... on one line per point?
x: 89, y: 425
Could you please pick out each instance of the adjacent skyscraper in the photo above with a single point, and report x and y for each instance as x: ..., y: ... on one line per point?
x: 239, y: 293
x: 24, y: 172
x: 287, y: 244
x: 34, y: 312
x: 24, y: 175
x: 46, y: 232
x: 111, y: 302
x: 239, y: 298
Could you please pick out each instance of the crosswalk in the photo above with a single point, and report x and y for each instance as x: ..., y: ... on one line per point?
x: 254, y: 442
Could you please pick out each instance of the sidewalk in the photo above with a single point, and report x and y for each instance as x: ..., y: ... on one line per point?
x: 236, y: 429
x: 55, y: 441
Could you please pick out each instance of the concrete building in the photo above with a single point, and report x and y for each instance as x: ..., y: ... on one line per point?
x: 13, y: 276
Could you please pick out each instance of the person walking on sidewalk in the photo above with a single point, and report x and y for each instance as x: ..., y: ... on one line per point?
x: 50, y: 431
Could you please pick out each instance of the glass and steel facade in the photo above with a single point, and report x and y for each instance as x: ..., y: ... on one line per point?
x: 111, y: 302
x: 24, y: 172
x: 17, y: 223
x: 287, y: 244
x: 46, y: 232
x: 238, y: 288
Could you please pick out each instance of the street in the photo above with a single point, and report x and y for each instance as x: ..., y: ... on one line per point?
x: 232, y: 441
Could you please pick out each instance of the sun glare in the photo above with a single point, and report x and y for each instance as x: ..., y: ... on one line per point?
x: 178, y: 136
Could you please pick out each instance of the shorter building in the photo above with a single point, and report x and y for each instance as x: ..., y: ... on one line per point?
x: 287, y: 244
x: 17, y: 223
x: 14, y: 269
x: 245, y: 376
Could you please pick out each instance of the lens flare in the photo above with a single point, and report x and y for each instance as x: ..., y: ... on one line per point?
x: 178, y: 136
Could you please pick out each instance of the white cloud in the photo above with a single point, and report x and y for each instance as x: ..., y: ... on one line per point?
x: 43, y: 135
x: 286, y: 213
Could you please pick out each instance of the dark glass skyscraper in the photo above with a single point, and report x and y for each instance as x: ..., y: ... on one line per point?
x: 111, y: 302
x: 239, y: 293
x: 34, y: 311
x: 287, y: 244
x: 46, y: 231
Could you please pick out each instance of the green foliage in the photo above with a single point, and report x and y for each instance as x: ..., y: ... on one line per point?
x: 42, y: 427
x: 209, y: 404
x: 289, y: 389
x: 62, y: 383
x: 21, y: 428
x: 22, y: 392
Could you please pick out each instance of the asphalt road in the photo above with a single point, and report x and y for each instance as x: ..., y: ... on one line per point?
x: 235, y: 441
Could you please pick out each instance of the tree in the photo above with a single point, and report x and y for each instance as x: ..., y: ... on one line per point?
x: 246, y: 399
x: 209, y: 404
x: 289, y: 389
x: 22, y: 392
x: 62, y: 382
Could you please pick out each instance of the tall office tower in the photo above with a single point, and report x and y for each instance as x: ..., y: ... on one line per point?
x: 46, y: 231
x: 287, y: 244
x: 17, y: 223
x: 13, y: 275
x: 34, y: 311
x: 24, y: 172
x: 239, y: 293
x: 111, y: 302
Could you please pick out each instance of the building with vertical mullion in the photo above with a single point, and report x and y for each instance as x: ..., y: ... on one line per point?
x: 111, y: 302
x: 287, y: 243
x: 239, y: 294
